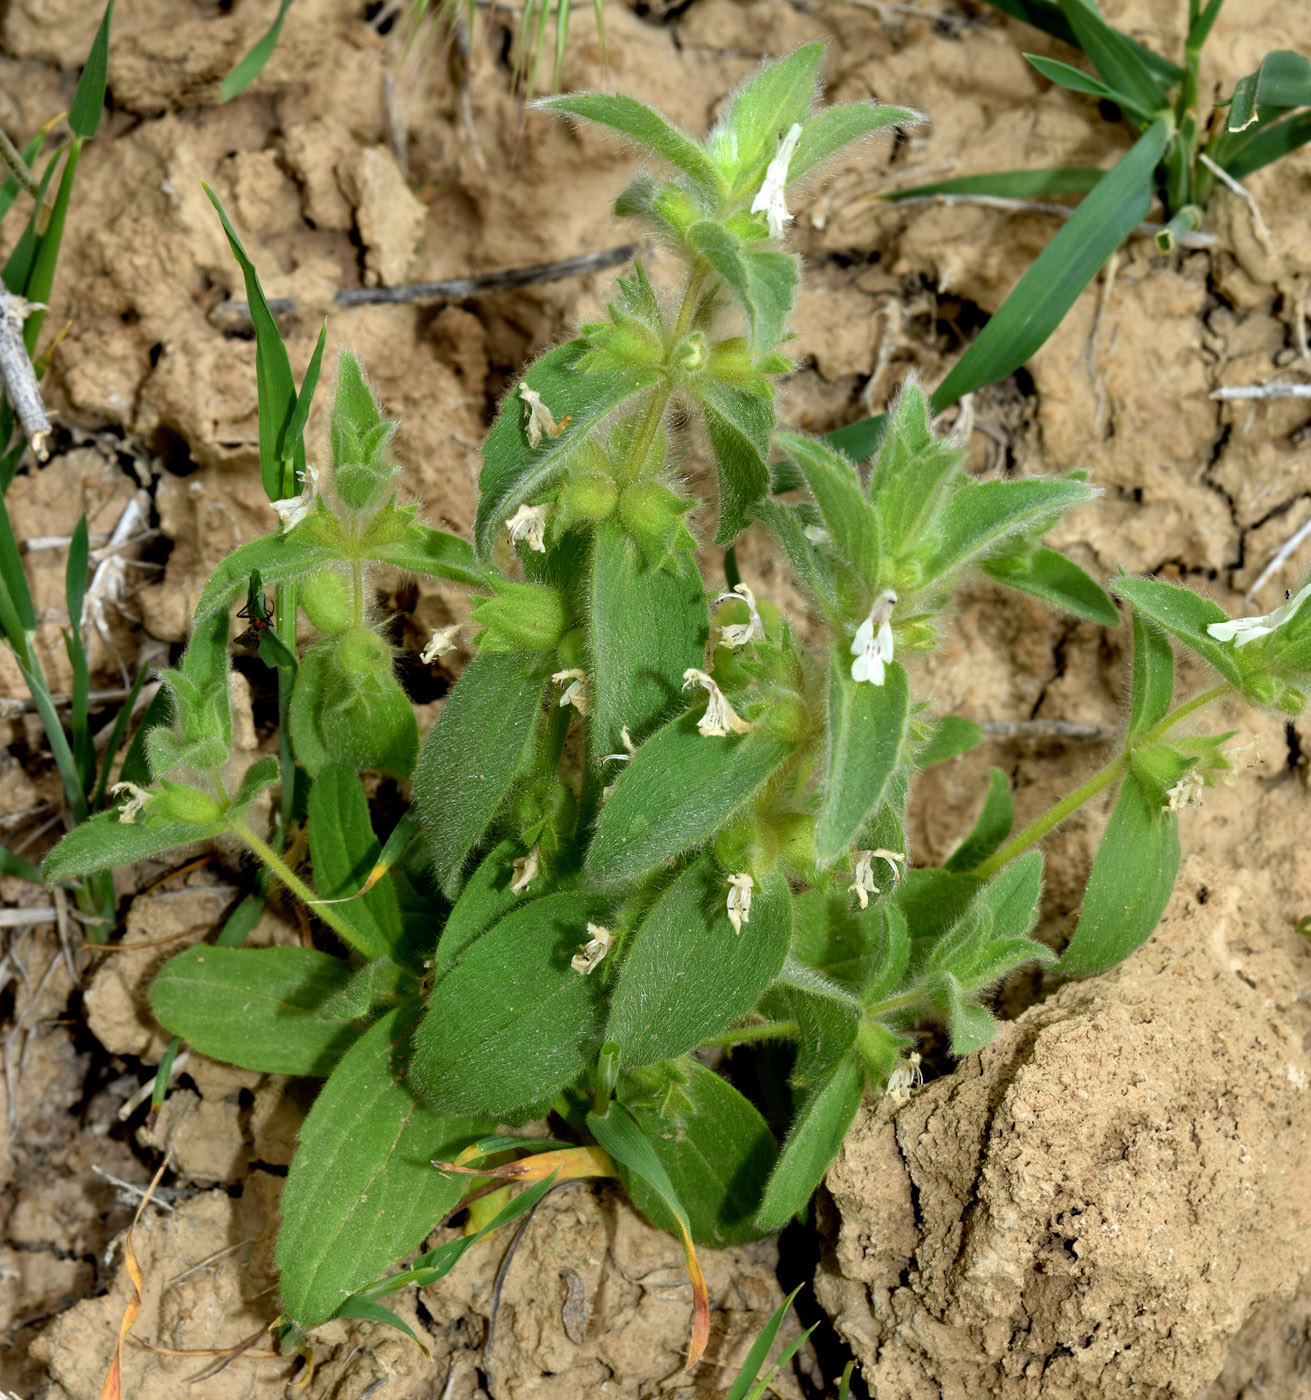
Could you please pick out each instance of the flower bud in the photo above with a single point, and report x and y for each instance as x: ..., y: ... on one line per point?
x: 181, y: 803
x: 653, y: 516
x: 522, y: 617
x: 589, y: 496
x: 326, y: 598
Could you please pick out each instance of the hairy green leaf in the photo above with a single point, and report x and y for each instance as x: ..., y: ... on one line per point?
x: 717, y: 1153
x: 991, y: 828
x: 255, y: 1007
x: 1152, y: 680
x: 677, y: 791
x: 1131, y: 882
x: 512, y: 1022
x: 687, y: 975
x: 865, y: 731
x: 362, y: 1191
x: 1185, y: 615
x: 1044, y: 573
x: 472, y: 753
x: 848, y: 515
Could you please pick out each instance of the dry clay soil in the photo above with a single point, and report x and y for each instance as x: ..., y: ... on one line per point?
x: 1112, y: 1199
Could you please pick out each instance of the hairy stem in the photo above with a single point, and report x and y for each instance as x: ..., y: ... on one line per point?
x: 745, y: 1035
x: 1114, y: 770
x: 348, y: 935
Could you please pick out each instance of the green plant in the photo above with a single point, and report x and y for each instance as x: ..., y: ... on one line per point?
x: 28, y: 279
x: 612, y: 875
x: 533, y: 25
x: 1180, y: 155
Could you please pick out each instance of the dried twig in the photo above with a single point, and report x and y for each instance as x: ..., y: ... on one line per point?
x: 1282, y: 556
x: 1243, y: 193
x: 1230, y: 392
x: 145, y: 1194
x: 453, y: 288
x: 22, y: 918
x: 18, y: 374
x: 11, y: 706
x: 1046, y: 729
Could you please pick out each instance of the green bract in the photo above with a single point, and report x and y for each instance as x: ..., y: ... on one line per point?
x: 647, y: 820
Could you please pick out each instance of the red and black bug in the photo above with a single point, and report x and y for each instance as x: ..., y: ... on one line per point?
x: 257, y: 612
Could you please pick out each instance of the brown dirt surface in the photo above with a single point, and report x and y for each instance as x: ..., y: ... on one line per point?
x: 351, y: 163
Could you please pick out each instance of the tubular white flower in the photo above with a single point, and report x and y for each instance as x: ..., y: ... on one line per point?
x: 293, y: 509
x: 1187, y: 792
x: 905, y: 1079
x: 526, y: 870
x: 738, y: 634
x: 872, y: 644
x: 630, y: 749
x: 863, y: 886
x: 441, y: 641
x: 739, y: 900
x: 1241, y: 630
x: 720, y: 719
x: 594, y: 950
x: 527, y: 524
x: 576, y: 692
x: 137, y: 799
x: 771, y: 199
x: 538, y: 419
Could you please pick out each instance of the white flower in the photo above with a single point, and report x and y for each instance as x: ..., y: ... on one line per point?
x: 527, y: 524
x: 738, y: 634
x: 1241, y: 630
x: 864, y: 885
x: 137, y: 799
x: 596, y: 947
x: 293, y: 509
x: 907, y: 1077
x: 630, y: 749
x: 442, y: 641
x: 576, y: 692
x: 739, y: 900
x: 720, y: 718
x: 526, y: 870
x: 538, y: 418
x: 772, y: 198
x: 872, y: 644
x: 1187, y: 792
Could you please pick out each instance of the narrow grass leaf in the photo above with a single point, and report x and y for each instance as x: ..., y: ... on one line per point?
x: 89, y: 99
x: 276, y: 387
x: 1039, y: 301
x: 749, y: 1375
x: 1118, y: 59
x: 620, y: 1136
x: 1283, y: 81
x: 1009, y: 184
x: 1269, y: 144
x: 20, y: 869
x: 252, y: 64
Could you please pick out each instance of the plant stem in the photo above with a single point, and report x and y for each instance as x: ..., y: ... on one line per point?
x: 1103, y: 778
x: 348, y: 935
x: 745, y: 1035
x: 886, y: 1008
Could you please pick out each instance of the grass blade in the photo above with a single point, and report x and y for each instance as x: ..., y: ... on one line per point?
x: 1061, y: 271
x: 116, y: 737
x: 89, y: 99
x: 75, y: 580
x: 1268, y: 144
x: 20, y: 869
x: 750, y: 1371
x: 1044, y: 15
x: 253, y: 63
x: 1115, y: 56
x: 1011, y: 184
x: 1076, y: 80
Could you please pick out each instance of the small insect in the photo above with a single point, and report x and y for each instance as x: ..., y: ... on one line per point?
x: 257, y: 612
